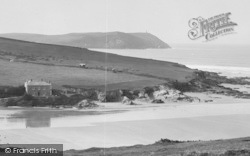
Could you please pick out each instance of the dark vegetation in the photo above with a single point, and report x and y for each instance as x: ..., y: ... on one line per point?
x: 28, y: 100
x: 149, y: 91
x: 227, y: 153
x: 59, y: 99
x: 9, y: 91
x: 182, y: 86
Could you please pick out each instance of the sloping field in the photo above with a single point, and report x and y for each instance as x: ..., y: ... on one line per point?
x: 15, y: 73
x: 71, y: 56
x: 230, y: 147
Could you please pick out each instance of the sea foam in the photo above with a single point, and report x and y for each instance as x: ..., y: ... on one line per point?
x: 224, y: 70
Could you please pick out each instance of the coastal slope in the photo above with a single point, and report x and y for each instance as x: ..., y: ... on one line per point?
x: 110, y: 40
x: 229, y: 147
x: 23, y: 60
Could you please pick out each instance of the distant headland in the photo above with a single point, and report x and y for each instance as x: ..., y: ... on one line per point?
x: 96, y: 40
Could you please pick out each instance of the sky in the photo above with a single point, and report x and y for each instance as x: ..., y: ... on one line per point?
x: 167, y: 19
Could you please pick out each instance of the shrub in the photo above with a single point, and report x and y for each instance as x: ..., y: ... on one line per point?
x: 113, y: 96
x: 28, y: 97
x: 90, y: 94
x: 128, y: 94
x: 182, y: 86
x: 56, y: 92
x: 6, y: 92
x: 10, y: 102
x: 149, y: 91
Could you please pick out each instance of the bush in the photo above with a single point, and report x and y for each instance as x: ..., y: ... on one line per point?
x: 28, y: 97
x: 7, y: 91
x: 10, y: 102
x: 29, y: 100
x: 242, y: 152
x: 113, y: 96
x: 26, y: 100
x: 90, y: 94
x: 56, y: 92
x: 128, y: 94
x: 74, y: 99
x: 136, y: 93
x: 149, y: 91
x: 182, y: 86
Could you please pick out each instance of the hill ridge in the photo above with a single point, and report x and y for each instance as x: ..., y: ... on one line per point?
x: 95, y: 40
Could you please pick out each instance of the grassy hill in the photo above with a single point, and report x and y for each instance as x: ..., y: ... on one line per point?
x: 16, y: 73
x: 230, y: 147
x: 60, y: 64
x: 112, y: 40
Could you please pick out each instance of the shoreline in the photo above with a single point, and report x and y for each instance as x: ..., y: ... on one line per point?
x: 117, y: 107
x: 130, y: 126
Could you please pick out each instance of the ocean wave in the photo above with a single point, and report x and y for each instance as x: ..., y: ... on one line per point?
x: 224, y: 70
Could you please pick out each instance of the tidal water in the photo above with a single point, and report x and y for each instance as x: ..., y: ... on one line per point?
x: 228, y: 60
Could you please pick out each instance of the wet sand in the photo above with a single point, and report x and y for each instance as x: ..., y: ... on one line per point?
x: 112, y: 134
x: 142, y: 124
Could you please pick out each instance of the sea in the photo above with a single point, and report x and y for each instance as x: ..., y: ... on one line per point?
x: 230, y: 61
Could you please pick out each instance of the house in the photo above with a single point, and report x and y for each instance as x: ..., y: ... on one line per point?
x: 38, y: 88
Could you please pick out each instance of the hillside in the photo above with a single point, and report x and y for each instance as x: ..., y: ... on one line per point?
x: 111, y: 40
x: 165, y: 147
x: 60, y: 65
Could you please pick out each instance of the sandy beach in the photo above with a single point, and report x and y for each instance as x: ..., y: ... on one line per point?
x: 140, y: 124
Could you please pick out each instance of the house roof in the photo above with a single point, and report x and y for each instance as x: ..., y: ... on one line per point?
x: 37, y: 83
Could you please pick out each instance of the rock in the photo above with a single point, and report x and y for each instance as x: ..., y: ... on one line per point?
x: 110, y: 96
x: 161, y: 93
x: 127, y: 101
x: 157, y: 101
x: 185, y: 98
x: 101, y: 97
x: 208, y: 101
x: 141, y: 95
x: 86, y: 104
